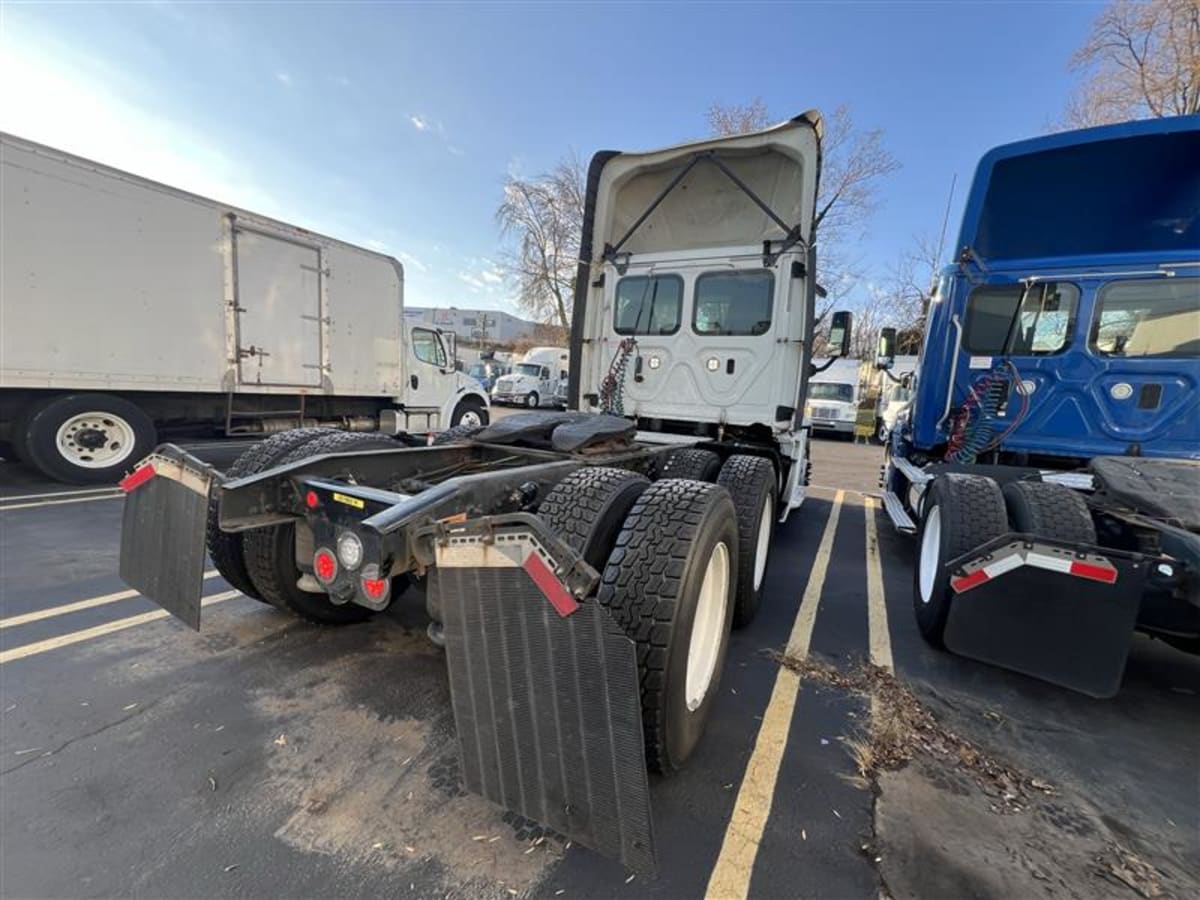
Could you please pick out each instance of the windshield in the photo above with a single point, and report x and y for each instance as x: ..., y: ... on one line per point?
x: 828, y: 390
x: 532, y: 369
x: 900, y: 395
x: 479, y: 370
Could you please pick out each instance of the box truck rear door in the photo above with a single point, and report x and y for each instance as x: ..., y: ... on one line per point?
x: 279, y: 310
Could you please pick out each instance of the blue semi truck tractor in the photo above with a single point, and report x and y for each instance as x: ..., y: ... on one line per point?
x: 1049, y: 465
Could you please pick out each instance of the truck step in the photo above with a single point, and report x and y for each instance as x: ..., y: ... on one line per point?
x: 898, y: 514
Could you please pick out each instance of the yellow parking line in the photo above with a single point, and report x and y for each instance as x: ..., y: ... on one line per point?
x: 86, y: 634
x: 38, y: 615
x: 879, y: 638
x: 12, y: 506
x: 731, y: 875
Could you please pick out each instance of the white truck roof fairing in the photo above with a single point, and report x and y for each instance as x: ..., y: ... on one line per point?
x: 708, y: 207
x: 741, y: 206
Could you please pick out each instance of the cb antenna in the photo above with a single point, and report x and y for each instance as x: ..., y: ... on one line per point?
x: 937, y: 262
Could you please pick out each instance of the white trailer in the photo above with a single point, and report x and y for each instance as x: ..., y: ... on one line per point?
x: 131, y: 311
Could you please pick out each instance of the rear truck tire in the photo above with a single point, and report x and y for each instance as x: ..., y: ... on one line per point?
x: 881, y: 431
x: 470, y: 412
x: 86, y: 438
x: 670, y: 582
x: 532, y: 400
x: 19, y: 435
x: 752, y: 484
x: 271, y: 552
x: 959, y: 512
x: 225, y: 548
x: 693, y: 464
x: 588, y: 508
x: 456, y: 434
x: 1049, y: 510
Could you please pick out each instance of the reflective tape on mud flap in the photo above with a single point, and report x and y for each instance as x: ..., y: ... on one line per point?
x: 546, y: 702
x: 1050, y: 559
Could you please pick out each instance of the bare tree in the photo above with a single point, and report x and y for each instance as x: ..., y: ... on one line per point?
x: 1141, y: 60
x: 853, y: 163
x: 545, y: 217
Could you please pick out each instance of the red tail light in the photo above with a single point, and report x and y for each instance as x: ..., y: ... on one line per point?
x: 325, y: 566
x: 375, y: 588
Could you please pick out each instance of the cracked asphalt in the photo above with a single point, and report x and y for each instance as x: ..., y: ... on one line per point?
x: 265, y: 756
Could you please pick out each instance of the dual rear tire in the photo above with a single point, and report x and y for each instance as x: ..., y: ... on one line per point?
x: 960, y: 512
x: 682, y: 562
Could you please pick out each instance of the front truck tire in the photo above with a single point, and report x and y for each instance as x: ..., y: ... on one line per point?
x: 470, y: 413
x: 753, y: 485
x: 84, y: 438
x: 670, y: 583
x: 960, y: 512
x: 270, y: 553
x: 226, y: 548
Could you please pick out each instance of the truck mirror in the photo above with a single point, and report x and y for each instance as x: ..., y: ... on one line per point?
x: 840, y: 333
x: 887, y: 349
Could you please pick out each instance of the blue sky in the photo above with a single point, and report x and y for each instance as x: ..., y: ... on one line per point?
x: 394, y: 125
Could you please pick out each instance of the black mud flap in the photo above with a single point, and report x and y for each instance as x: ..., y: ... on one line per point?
x: 162, y: 530
x: 1047, y: 611
x: 546, y: 699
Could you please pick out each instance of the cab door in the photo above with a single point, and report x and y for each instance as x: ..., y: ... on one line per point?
x: 430, y: 369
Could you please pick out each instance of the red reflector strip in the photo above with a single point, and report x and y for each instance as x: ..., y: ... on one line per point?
x: 966, y: 582
x: 1094, y: 572
x: 560, y: 598
x: 137, y: 478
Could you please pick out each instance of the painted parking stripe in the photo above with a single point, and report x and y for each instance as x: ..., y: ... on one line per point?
x: 7, y: 507
x: 51, y: 612
x: 82, y: 492
x: 87, y: 634
x: 879, y: 638
x: 731, y: 875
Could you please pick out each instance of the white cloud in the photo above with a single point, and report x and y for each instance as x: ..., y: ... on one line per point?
x: 419, y: 123
x: 492, y: 276
x: 469, y: 279
x: 284, y: 78
x: 412, y: 262
x: 456, y: 151
x: 73, y: 109
x: 341, y: 81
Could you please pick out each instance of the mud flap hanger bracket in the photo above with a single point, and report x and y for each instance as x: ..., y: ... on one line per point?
x: 579, y: 578
x: 792, y: 233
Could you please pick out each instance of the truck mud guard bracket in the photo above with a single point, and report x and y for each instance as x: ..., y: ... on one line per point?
x: 1048, y: 609
x: 544, y: 685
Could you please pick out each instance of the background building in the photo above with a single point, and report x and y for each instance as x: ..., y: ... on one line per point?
x: 476, y: 326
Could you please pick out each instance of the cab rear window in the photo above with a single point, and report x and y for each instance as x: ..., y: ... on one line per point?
x: 1148, y: 318
x: 1043, y: 324
x: 648, y: 304
x: 733, y: 303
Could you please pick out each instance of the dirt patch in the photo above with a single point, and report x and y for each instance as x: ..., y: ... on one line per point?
x: 953, y: 819
x: 369, y: 788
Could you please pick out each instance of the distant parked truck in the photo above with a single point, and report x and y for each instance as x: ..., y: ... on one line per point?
x: 895, y: 392
x: 133, y: 312
x: 534, y: 380
x: 833, y: 393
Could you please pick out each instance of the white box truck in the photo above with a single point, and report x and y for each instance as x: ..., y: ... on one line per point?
x: 131, y: 311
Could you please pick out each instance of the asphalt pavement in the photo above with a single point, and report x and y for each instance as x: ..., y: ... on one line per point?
x: 264, y: 756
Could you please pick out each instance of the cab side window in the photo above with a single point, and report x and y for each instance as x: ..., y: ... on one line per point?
x: 427, y: 347
x: 1043, y: 324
